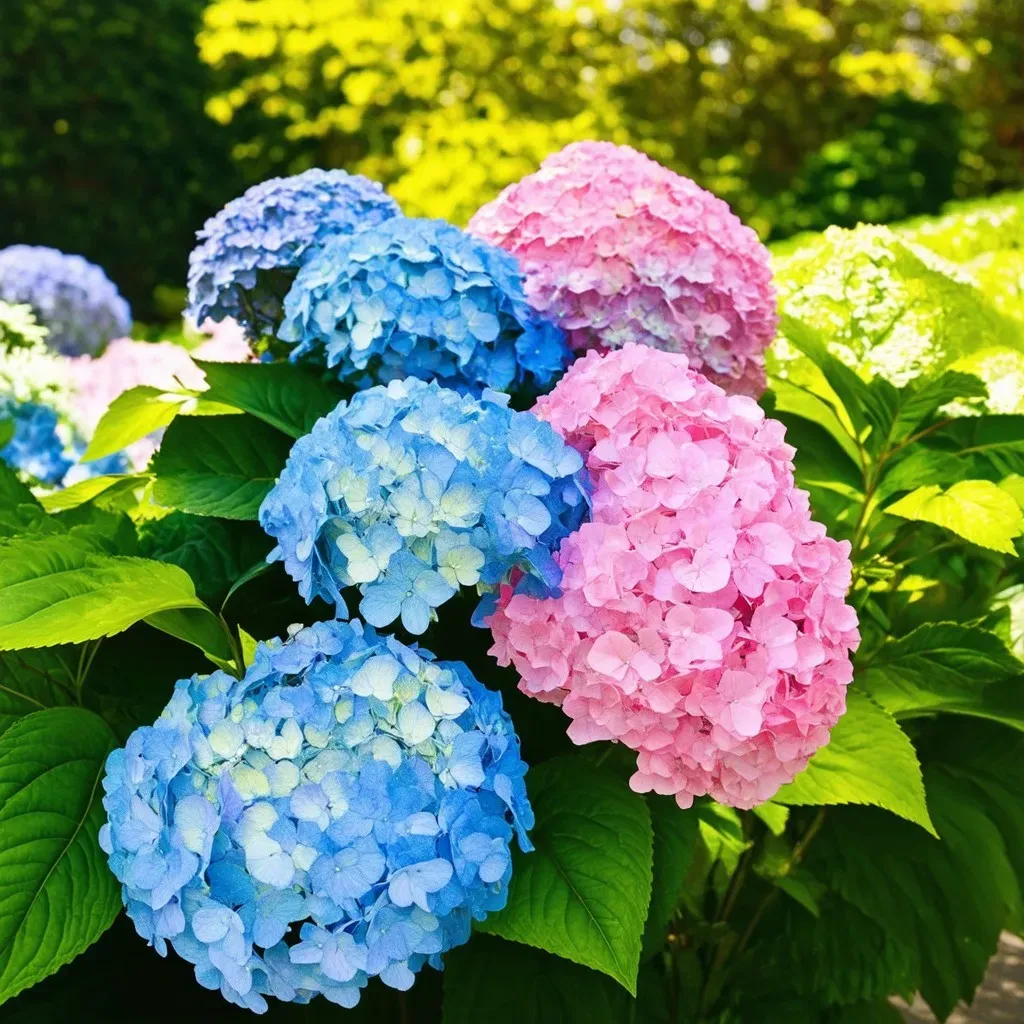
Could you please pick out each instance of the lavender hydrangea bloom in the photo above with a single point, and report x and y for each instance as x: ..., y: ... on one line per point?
x: 77, y: 303
x: 344, y: 811
x: 421, y: 297
x: 411, y: 491
x: 249, y: 252
x: 34, y: 448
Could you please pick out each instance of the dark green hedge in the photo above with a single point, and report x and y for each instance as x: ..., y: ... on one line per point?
x: 104, y: 146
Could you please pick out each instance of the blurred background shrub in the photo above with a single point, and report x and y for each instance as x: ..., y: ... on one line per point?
x: 142, y: 116
x: 105, y: 148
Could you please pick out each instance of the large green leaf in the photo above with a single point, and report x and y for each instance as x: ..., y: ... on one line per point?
x: 675, y: 840
x: 99, y: 489
x: 944, y: 901
x: 583, y: 893
x: 920, y: 400
x: 509, y: 983
x: 57, y: 590
x: 216, y: 553
x: 33, y: 680
x: 287, y: 397
x: 945, y: 666
x: 868, y: 760
x: 20, y: 512
x: 57, y: 895
x: 980, y: 511
x: 219, y: 466
x: 131, y: 416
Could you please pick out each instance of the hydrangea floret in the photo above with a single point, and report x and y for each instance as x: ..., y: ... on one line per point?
x: 76, y: 302
x: 411, y: 491
x: 421, y: 298
x: 617, y: 248
x: 702, y: 618
x: 343, y: 812
x: 249, y: 252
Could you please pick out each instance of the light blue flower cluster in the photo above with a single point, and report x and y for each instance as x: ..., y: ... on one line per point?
x: 342, y: 812
x: 34, y: 447
x: 411, y: 490
x: 77, y: 303
x: 421, y: 298
x: 249, y: 251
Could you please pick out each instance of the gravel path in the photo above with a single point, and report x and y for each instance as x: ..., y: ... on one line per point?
x: 1000, y: 1000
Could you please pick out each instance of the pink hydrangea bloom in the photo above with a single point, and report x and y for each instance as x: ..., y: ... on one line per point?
x: 227, y: 342
x: 702, y: 620
x: 127, y: 364
x: 617, y: 248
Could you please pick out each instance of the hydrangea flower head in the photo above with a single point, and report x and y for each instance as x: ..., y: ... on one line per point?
x: 617, y: 248
x: 342, y: 812
x: 18, y: 327
x: 35, y: 447
x: 411, y: 491
x: 248, y: 253
x: 421, y: 297
x: 702, y: 619
x: 76, y: 302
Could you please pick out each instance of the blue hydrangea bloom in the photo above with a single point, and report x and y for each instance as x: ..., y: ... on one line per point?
x: 36, y: 449
x: 421, y: 298
x: 71, y: 297
x: 411, y: 491
x: 248, y: 253
x: 344, y: 811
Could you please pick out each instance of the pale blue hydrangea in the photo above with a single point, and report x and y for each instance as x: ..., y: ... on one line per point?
x: 411, y: 491
x: 421, y: 298
x: 342, y: 812
x: 249, y: 252
x: 31, y: 442
x: 71, y: 297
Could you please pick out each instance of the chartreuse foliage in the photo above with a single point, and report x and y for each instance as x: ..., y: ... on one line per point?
x: 889, y: 866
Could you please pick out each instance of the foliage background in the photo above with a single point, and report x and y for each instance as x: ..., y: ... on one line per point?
x: 121, y: 128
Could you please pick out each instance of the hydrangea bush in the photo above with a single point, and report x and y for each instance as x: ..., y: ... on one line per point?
x: 684, y: 571
x: 702, y: 619
x: 421, y: 298
x: 617, y: 248
x: 249, y: 252
x: 411, y: 491
x: 78, y: 304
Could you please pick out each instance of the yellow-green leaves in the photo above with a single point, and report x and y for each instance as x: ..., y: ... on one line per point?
x: 977, y: 510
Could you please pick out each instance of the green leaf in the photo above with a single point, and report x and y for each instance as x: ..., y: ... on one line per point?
x: 774, y: 816
x: 922, y: 466
x: 920, y: 400
x: 879, y: 1011
x: 944, y: 902
x: 219, y: 466
x: 992, y: 442
x: 201, y: 628
x: 787, y: 398
x: 216, y: 553
x: 287, y: 397
x: 57, y: 895
x: 721, y: 830
x: 675, y: 840
x: 868, y: 760
x: 58, y: 590
x: 583, y: 893
x: 946, y: 667
x: 6, y: 431
x: 93, y: 488
x: 33, y: 680
x: 131, y: 416
x: 509, y: 983
x: 12, y: 491
x: 820, y: 460
x: 248, y: 645
x: 977, y: 510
